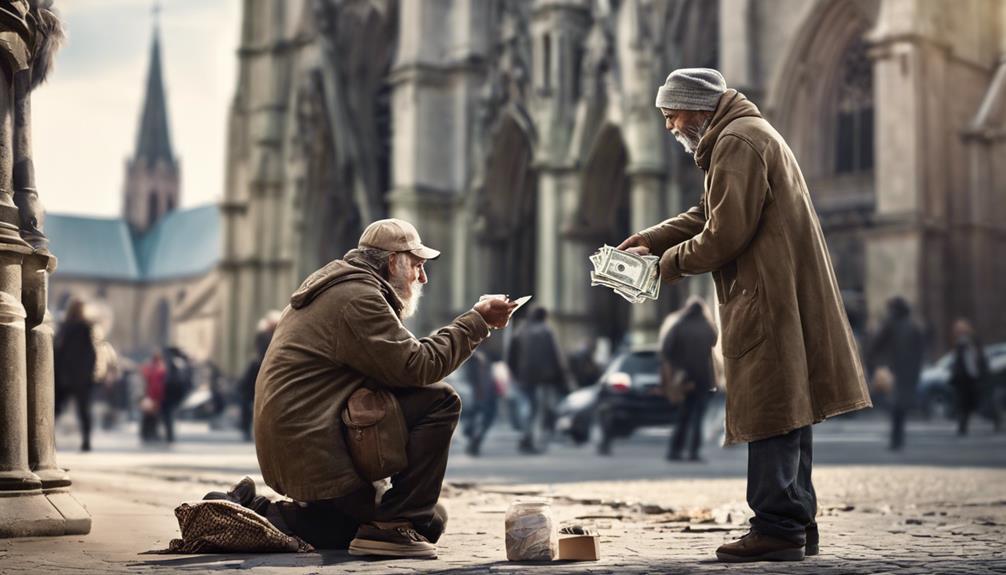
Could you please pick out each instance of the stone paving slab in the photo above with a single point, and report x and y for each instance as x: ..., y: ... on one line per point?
x: 872, y: 520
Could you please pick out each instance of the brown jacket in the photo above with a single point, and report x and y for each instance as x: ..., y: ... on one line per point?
x: 342, y: 328
x: 789, y: 354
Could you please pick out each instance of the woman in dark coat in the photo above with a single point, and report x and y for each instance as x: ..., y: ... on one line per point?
x: 75, y: 358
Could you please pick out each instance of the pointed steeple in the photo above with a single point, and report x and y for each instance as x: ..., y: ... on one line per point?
x: 154, y: 140
x: 152, y: 174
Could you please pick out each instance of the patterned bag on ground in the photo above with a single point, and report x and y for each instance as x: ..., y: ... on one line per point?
x: 225, y: 527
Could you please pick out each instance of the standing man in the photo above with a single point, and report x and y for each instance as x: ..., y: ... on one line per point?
x: 537, y: 361
x: 898, y: 346
x: 789, y: 354
x: 75, y: 358
x: 688, y: 349
x: 343, y: 331
x: 967, y: 372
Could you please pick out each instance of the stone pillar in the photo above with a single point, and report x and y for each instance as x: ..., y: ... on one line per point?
x: 30, y: 504
x: 646, y: 188
x: 41, y: 396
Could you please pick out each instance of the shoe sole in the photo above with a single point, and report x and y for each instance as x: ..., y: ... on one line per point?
x: 796, y: 554
x: 360, y: 547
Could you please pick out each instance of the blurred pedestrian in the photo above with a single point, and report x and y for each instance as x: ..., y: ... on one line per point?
x: 177, y: 385
x: 246, y: 385
x: 479, y: 417
x: 686, y: 352
x: 154, y: 373
x: 898, y: 346
x: 968, y: 371
x: 74, y: 358
x: 584, y: 368
x: 541, y: 373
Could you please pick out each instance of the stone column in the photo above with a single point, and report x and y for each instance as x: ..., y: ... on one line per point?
x: 31, y: 504
x: 24, y: 510
x: 41, y: 396
x: 646, y: 188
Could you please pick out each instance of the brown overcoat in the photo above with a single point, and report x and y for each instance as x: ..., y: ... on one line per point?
x: 789, y: 354
x: 341, y: 329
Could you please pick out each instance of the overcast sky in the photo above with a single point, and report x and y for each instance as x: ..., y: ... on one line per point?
x: 85, y: 118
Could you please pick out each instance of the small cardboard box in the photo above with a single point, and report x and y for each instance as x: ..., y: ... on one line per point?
x: 579, y: 548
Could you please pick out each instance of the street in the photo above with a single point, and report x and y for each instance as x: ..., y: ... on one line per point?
x: 940, y: 506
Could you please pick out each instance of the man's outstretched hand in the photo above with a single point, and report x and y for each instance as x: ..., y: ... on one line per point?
x: 495, y: 311
x: 635, y: 244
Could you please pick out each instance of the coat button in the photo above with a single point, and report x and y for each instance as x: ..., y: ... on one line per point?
x: 744, y: 291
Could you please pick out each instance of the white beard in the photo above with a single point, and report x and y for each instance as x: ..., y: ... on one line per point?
x: 408, y: 293
x: 411, y: 302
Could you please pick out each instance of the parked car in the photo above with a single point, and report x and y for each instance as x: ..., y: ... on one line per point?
x: 628, y: 396
x: 936, y: 396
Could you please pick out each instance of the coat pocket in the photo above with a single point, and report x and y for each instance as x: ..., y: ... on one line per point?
x: 376, y: 434
x: 742, y: 323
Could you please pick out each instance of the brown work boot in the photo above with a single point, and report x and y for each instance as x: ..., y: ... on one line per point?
x: 391, y: 540
x: 757, y: 547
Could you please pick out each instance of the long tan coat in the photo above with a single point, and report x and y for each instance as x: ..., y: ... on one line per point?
x: 789, y: 354
x: 342, y: 328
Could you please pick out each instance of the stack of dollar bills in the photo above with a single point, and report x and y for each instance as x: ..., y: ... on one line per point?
x: 635, y: 278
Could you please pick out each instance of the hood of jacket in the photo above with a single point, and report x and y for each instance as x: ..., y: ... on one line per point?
x: 732, y: 106
x: 352, y: 267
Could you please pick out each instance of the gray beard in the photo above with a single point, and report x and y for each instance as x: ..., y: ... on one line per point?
x: 690, y: 136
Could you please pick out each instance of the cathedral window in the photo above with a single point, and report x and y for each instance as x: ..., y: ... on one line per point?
x: 854, y: 115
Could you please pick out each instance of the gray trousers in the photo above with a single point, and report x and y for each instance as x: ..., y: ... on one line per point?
x: 780, y: 491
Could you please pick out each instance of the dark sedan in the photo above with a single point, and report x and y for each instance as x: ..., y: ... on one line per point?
x: 628, y: 396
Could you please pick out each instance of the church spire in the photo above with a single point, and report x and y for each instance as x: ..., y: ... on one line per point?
x: 154, y: 140
x: 152, y: 174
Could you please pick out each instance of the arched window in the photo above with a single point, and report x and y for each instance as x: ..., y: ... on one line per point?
x: 854, y: 120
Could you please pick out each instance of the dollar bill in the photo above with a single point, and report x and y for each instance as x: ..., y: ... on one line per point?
x: 633, y: 277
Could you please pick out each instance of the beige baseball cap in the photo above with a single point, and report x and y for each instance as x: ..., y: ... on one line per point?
x: 394, y: 235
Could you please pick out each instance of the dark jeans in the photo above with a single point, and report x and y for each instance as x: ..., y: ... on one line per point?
x: 431, y: 415
x: 83, y: 399
x: 780, y: 491
x: 541, y: 400
x: 168, y: 418
x: 897, y: 427
x: 689, y: 425
x: 478, y: 420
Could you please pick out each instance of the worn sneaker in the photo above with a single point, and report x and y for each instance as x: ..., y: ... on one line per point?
x: 757, y: 547
x: 813, y: 541
x: 395, y: 540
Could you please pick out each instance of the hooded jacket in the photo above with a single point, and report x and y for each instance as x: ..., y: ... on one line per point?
x: 341, y: 329
x: 790, y: 359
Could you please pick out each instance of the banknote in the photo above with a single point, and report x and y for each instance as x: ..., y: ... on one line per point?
x: 636, y: 278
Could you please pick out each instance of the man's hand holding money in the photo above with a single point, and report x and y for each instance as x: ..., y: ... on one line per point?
x: 635, y: 244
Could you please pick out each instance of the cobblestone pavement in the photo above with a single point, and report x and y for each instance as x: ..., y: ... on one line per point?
x: 893, y: 518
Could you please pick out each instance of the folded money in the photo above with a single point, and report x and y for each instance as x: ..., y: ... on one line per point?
x: 636, y: 278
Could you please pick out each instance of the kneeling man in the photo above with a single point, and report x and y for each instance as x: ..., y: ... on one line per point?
x: 343, y: 329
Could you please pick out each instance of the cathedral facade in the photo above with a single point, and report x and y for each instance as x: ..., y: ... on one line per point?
x: 520, y: 135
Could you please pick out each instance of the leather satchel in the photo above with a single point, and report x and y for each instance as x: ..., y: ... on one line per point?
x: 376, y: 435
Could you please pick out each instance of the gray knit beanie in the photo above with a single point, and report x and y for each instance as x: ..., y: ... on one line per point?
x: 691, y: 89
